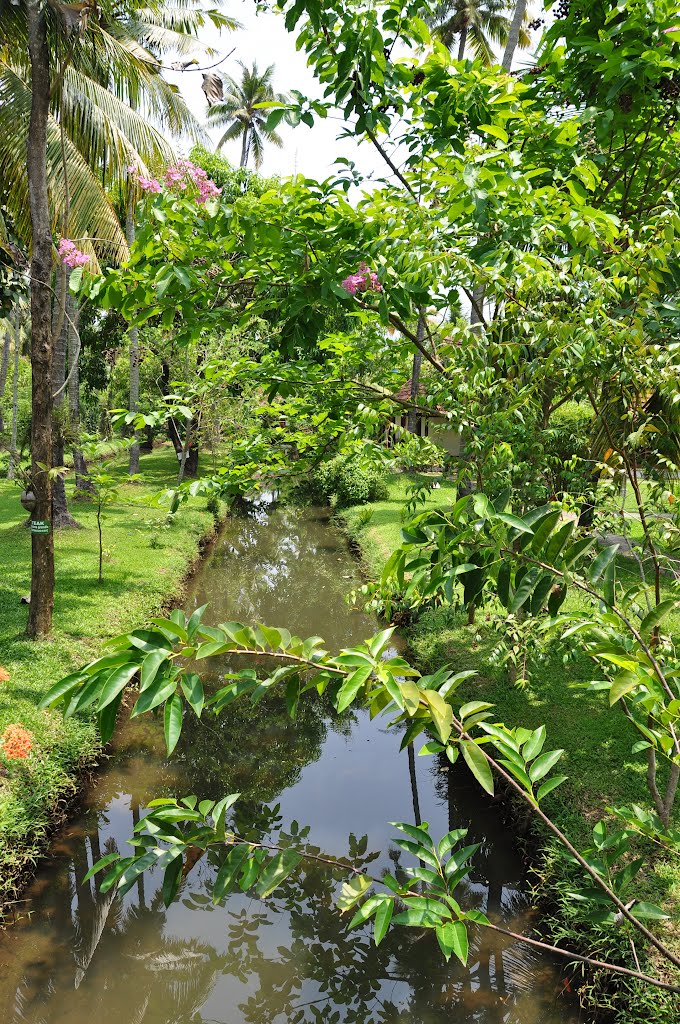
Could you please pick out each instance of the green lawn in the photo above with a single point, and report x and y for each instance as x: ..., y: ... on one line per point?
x: 145, y: 563
x: 601, y: 768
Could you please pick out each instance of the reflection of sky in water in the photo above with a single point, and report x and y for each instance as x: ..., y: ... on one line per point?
x: 89, y: 957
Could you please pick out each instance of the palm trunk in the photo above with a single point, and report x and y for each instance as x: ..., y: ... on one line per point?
x: 60, y: 514
x: 42, y: 544
x: 83, y: 483
x: 15, y: 396
x: 134, y: 344
x: 4, y: 367
x: 462, y: 42
x: 245, y: 146
x: 513, y: 34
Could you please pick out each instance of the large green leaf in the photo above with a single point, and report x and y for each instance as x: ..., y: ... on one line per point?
x: 478, y: 765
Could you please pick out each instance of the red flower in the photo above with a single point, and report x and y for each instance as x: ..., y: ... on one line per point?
x: 16, y: 742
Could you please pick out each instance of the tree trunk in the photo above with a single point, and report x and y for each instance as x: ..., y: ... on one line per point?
x: 15, y: 396
x: 173, y: 432
x: 415, y: 377
x: 42, y: 544
x: 513, y: 34
x: 245, y: 146
x: 84, y: 485
x: 134, y: 342
x: 4, y: 367
x: 61, y: 516
x: 462, y: 42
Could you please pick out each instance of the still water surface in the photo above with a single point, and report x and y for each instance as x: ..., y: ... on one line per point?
x: 82, y: 957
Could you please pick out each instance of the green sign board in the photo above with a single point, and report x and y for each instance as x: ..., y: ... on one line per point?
x: 40, y: 526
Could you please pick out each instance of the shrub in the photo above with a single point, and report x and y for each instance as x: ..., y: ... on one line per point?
x: 347, y: 480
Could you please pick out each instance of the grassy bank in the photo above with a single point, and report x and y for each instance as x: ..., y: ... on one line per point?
x: 601, y: 768
x: 145, y: 564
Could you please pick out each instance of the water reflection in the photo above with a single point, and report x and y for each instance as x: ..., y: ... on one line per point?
x: 87, y: 956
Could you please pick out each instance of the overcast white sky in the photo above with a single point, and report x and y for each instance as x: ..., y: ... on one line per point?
x: 263, y: 38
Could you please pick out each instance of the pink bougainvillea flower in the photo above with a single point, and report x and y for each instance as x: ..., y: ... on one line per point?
x: 16, y: 742
x: 149, y: 185
x: 363, y: 280
x: 71, y: 255
x: 185, y: 173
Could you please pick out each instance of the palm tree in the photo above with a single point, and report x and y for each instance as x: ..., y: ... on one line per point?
x: 79, y: 82
x: 477, y: 24
x: 239, y: 110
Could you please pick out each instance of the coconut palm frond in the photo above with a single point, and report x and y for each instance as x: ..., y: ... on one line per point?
x: 477, y: 24
x: 108, y: 131
x: 91, y: 214
x: 234, y: 132
x: 241, y: 113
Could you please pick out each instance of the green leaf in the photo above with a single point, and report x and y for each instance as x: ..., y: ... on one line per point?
x: 472, y: 707
x: 115, y: 684
x: 417, y: 832
x: 478, y: 765
x: 156, y: 694
x: 548, y: 786
x: 278, y: 869
x: 383, y: 916
x: 365, y: 911
x: 229, y: 870
x: 623, y: 683
x: 442, y: 713
x: 150, y: 666
x: 600, y: 564
x: 652, y: 620
x: 101, y: 864
x: 377, y: 644
x: 534, y: 745
x: 525, y: 589
x: 62, y: 689
x: 450, y: 840
x: 272, y: 636
x: 351, y: 687
x: 172, y: 721
x: 192, y: 687
x: 352, y: 891
x: 543, y: 764
x: 543, y: 530
x: 431, y: 747
x: 453, y: 938
x: 107, y: 719
x: 212, y: 648
x: 174, y: 628
x: 515, y: 522
x: 649, y: 911
x: 172, y: 877
x: 411, y: 694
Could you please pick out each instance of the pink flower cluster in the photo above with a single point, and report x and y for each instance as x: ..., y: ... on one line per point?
x: 146, y: 184
x: 185, y: 172
x: 71, y: 255
x: 179, y: 176
x: 364, y: 280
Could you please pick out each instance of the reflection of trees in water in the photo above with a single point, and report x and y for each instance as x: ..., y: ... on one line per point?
x: 121, y: 967
x: 287, y: 571
x: 114, y: 959
x: 126, y: 966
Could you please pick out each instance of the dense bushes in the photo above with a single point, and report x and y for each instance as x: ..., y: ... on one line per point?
x: 347, y: 480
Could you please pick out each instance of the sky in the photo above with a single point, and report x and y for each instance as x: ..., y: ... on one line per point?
x: 263, y: 38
